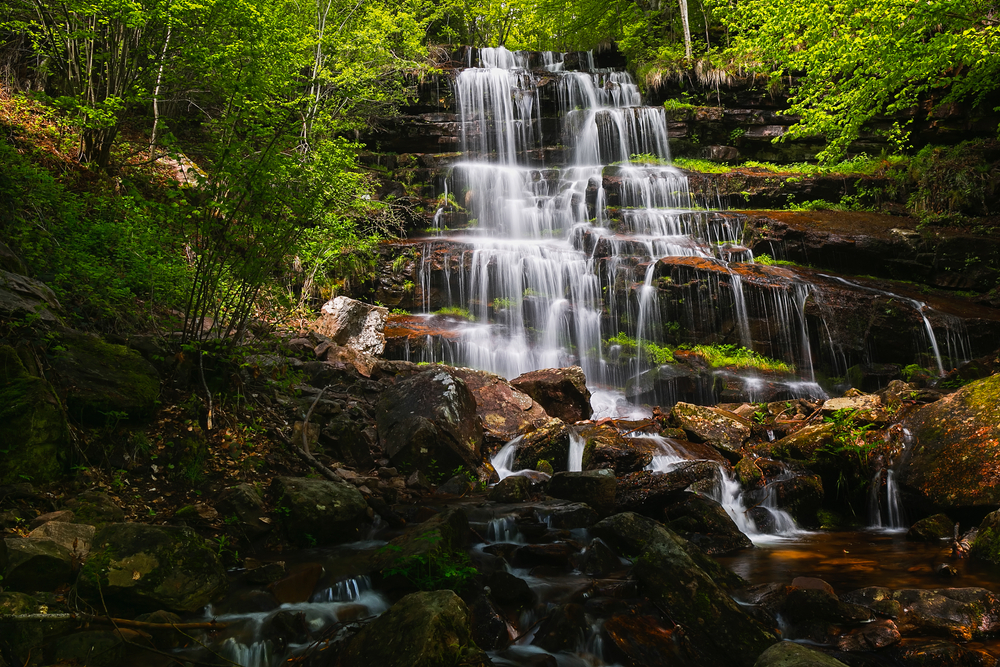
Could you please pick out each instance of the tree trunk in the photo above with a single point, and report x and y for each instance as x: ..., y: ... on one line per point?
x: 687, y: 29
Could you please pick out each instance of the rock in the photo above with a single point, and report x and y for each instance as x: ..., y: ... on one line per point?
x: 427, y: 629
x: 597, y: 559
x: 872, y: 637
x: 242, y: 507
x: 430, y: 416
x: 556, y: 554
x: 718, y: 630
x: 319, y: 511
x: 298, y: 584
x: 353, y: 324
x: 30, y: 564
x: 21, y: 296
x: 611, y: 450
x: 418, y: 480
x: 567, y: 516
x: 595, y: 487
x: 65, y: 516
x: 94, y: 648
x: 650, y: 493
x: 74, y: 537
x: 135, y: 567
x: 505, y: 411
x: 719, y: 428
x: 643, y: 640
x: 459, y: 485
x: 954, y: 460
x: 549, y: 443
x: 788, y: 654
x: 34, y: 435
x: 959, y: 613
x: 800, y: 445
x: 938, y: 653
x: 563, y: 629
x: 344, y: 439
x: 804, y: 606
x: 703, y: 522
x: 446, y: 532
x: 562, y: 392
x: 932, y: 528
x: 516, y: 489
x: 489, y: 628
x: 95, y: 508
x: 800, y: 495
x: 864, y: 409
x: 986, y: 546
x: 878, y: 599
x: 507, y: 589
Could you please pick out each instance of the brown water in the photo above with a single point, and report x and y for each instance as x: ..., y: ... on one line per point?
x: 852, y: 560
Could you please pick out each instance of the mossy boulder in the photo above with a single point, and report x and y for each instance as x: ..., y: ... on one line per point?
x: 34, y: 435
x: 319, y: 511
x: 516, y: 489
x: 933, y: 528
x: 139, y: 568
x: 721, y: 429
x: 594, y: 487
x: 428, y: 629
x: 718, y: 630
x: 95, y: 508
x: 800, y: 445
x: 705, y: 523
x: 789, y: 654
x: 550, y: 443
x: 612, y: 450
x: 444, y: 533
x: 986, y: 546
x: 102, y: 381
x: 954, y: 460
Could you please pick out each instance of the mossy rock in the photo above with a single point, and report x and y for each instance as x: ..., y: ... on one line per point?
x: 95, y: 508
x: 987, y: 543
x: 789, y: 654
x: 932, y: 528
x: 104, y: 382
x: 138, y: 568
x: 34, y: 435
x: 319, y: 511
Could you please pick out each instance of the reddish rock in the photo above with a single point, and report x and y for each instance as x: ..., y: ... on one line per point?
x: 506, y: 411
x: 643, y: 640
x: 562, y: 392
x: 871, y: 637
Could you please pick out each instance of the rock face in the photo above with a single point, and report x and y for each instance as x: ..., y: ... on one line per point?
x: 562, y: 392
x: 594, y: 487
x: 145, y: 568
x: 34, y: 436
x: 430, y: 416
x: 505, y: 411
x: 319, y: 511
x: 105, y: 382
x: 426, y: 629
x: 954, y: 460
x: 353, y: 324
x: 719, y: 428
x: 719, y: 631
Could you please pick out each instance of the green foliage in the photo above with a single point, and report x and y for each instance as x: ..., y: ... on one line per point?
x: 734, y: 356
x: 457, y: 312
x: 434, y: 570
x: 767, y: 260
x: 845, y: 459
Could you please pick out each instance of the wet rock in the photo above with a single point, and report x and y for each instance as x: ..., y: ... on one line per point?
x: 954, y: 460
x: 100, y: 648
x: 597, y: 559
x: 959, y: 613
x: 788, y: 654
x: 749, y: 473
x: 506, y: 411
x: 800, y: 495
x: 872, y: 637
x: 932, y: 528
x: 717, y: 628
x: 986, y: 545
x: 241, y: 506
x: 800, y: 445
x: 103, y: 382
x: 802, y: 606
x: 643, y: 640
x: 298, y: 585
x: 564, y: 629
x: 319, y: 511
x: 864, y: 408
x: 556, y: 554
x: 703, y: 522
x: 507, y: 589
x: 568, y: 516
x: 95, y: 508
x: 459, y: 485
x: 144, y: 568
x: 611, y: 450
x: 421, y: 630
x: 430, y: 416
x: 594, y: 487
x: 33, y: 429
x: 719, y: 428
x: 489, y: 628
x: 650, y: 493
x: 444, y: 532
x: 516, y: 489
x: 548, y: 445
x: 286, y: 627
x: 35, y: 564
x: 353, y: 324
x: 880, y: 600
x: 562, y: 392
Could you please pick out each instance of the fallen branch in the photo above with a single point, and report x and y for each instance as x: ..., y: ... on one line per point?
x: 307, y: 457
x: 107, y: 620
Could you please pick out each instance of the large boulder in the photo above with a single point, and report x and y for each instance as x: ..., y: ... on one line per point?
x: 562, y: 392
x: 705, y: 523
x: 954, y: 459
x: 721, y: 429
x: 718, y: 630
x: 428, y: 629
x: 134, y: 567
x: 505, y: 410
x: 30, y: 564
x: 937, y: 527
x: 319, y: 511
x: 430, y: 417
x: 986, y: 546
x: 650, y: 493
x: 962, y: 614
x: 594, y: 487
x: 104, y: 382
x: 611, y: 450
x: 789, y: 654
x: 548, y: 446
x: 800, y: 445
x: 23, y: 297
x: 353, y: 324
x: 34, y: 435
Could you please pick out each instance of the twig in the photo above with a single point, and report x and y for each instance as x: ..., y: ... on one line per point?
x: 307, y: 457
x: 208, y: 394
x: 305, y: 424
x: 123, y: 622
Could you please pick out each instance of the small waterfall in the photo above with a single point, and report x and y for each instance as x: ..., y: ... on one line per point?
x: 504, y: 529
x: 885, y: 512
x: 729, y: 494
x: 576, y: 446
x: 347, y: 590
x: 503, y: 460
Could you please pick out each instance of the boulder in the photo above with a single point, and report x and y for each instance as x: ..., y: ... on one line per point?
x: 563, y: 629
x: 353, y: 324
x: 939, y: 653
x: 319, y: 511
x: 703, y: 522
x: 457, y: 485
x: 103, y: 382
x: 444, y: 533
x: 344, y: 438
x: 720, y: 428
x: 986, y: 546
x: 516, y: 489
x: 933, y: 528
x: 597, y: 559
x: 643, y: 640
x: 718, y: 630
x: 562, y: 392
x: 427, y: 629
x: 489, y: 627
x: 548, y: 445
x: 22, y: 297
x: 30, y: 564
x: 566, y: 516
x: 34, y: 435
x: 594, y: 487
x: 864, y: 408
x: 800, y: 445
x: 801, y: 495
x: 650, y: 493
x: 611, y: 450
x: 134, y: 567
x: 954, y: 459
x: 95, y: 508
x: 74, y: 537
x: 959, y: 613
x: 241, y: 507
x: 872, y: 637
x: 430, y: 417
x: 789, y: 654
x: 505, y: 411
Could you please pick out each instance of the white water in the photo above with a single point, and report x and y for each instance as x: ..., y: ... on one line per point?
x: 576, y: 445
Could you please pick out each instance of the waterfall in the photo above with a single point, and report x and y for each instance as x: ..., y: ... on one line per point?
x: 576, y: 446
x: 503, y: 460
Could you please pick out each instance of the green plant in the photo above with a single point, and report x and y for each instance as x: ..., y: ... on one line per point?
x: 734, y: 356
x: 767, y: 260
x: 454, y: 311
x: 438, y: 568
